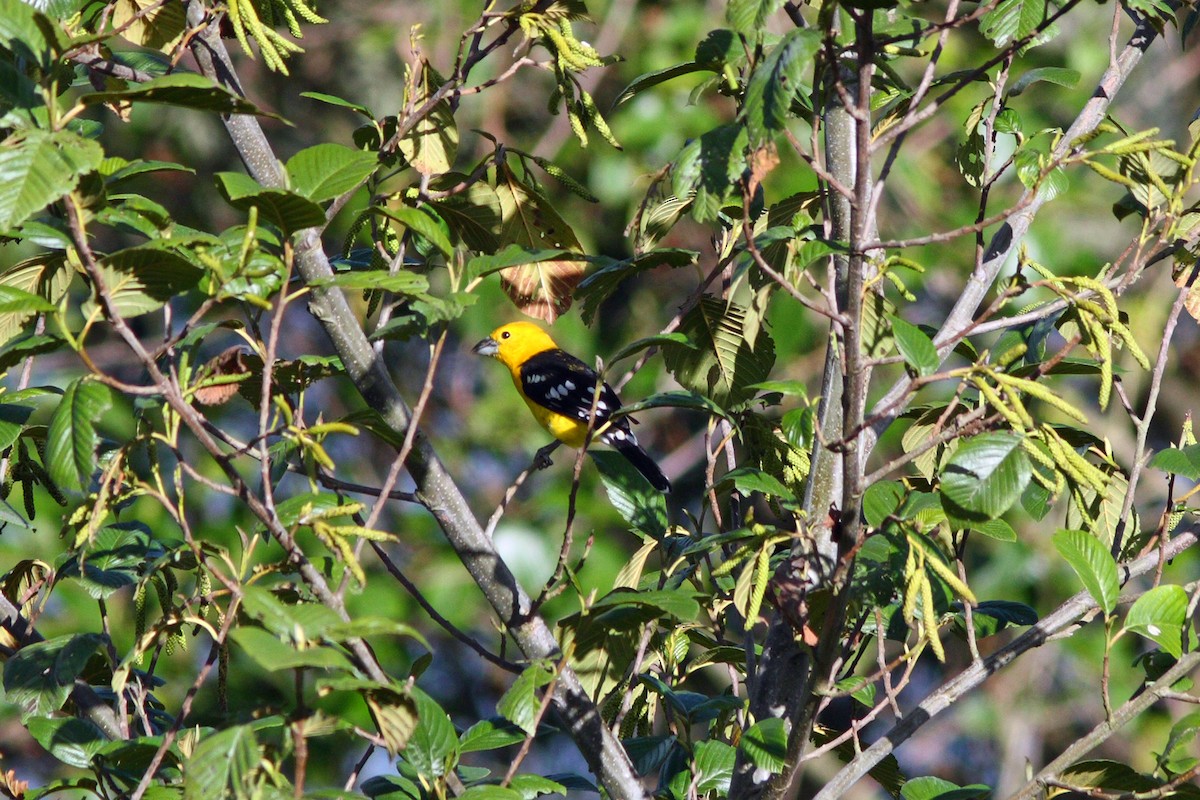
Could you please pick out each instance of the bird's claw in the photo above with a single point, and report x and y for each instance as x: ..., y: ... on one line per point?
x: 541, y: 459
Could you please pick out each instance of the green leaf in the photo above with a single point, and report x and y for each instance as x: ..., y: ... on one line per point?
x: 600, y: 285
x: 996, y: 529
x: 930, y: 788
x: 399, y: 282
x: 881, y: 500
x: 776, y: 81
x: 489, y: 734
x: 333, y: 100
x: 1159, y: 615
x: 643, y: 82
x: 521, y: 703
x: 714, y: 766
x: 71, y: 439
x: 286, y: 209
x: 749, y: 479
x: 272, y: 655
x: 1094, y: 565
x: 530, y: 786
x: 25, y: 31
x: 324, y: 171
x: 915, y: 346
x: 731, y: 352
x: 40, y: 676
x: 37, y: 168
x: 432, y: 749
x: 222, y: 765
x: 1059, y: 75
x: 511, y: 256
x: 642, y: 506
x: 985, y: 476
x: 1183, y: 461
x: 708, y: 168
x: 115, y: 559
x: 473, y: 215
x: 765, y: 744
x: 749, y: 16
x: 71, y: 740
x: 144, y: 279
x: 679, y: 603
x: 1012, y: 20
x: 183, y: 89
x: 648, y: 342
x: 422, y: 224
x: 14, y: 300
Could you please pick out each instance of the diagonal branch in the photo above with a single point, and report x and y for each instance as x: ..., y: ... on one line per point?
x: 436, y: 490
x: 1012, y: 232
x: 1071, y: 613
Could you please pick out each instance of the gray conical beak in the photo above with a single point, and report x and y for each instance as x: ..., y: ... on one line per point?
x: 486, y: 347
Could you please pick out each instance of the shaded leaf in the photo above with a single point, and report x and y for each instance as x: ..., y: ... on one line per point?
x: 71, y: 440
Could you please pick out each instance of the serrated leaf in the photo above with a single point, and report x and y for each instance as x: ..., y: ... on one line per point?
x: 222, y: 765
x: 37, y: 168
x: 730, y: 352
x: 286, y: 209
x: 1094, y: 565
x: 749, y: 16
x: 749, y: 479
x: 399, y: 282
x: 432, y: 143
x: 40, y: 676
x: 14, y: 300
x: 521, y: 703
x: 422, y: 224
x: 144, y: 279
x: 776, y: 81
x: 489, y: 734
x: 1183, y: 461
x: 881, y: 500
x: 708, y: 168
x: 765, y: 744
x: 678, y: 603
x: 71, y: 440
x: 643, y: 507
x: 1159, y: 615
x: 271, y: 654
x: 643, y: 82
x: 433, y: 747
x: 1011, y: 20
x: 1059, y: 75
x: 986, y: 475
x: 915, y: 346
x: 324, y: 171
x: 183, y: 89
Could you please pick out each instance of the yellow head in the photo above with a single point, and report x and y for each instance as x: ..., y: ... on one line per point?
x: 514, y: 343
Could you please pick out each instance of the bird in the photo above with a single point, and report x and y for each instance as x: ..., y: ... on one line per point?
x: 560, y: 391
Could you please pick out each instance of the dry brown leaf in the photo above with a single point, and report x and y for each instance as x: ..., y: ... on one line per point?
x: 230, y: 363
x: 541, y: 289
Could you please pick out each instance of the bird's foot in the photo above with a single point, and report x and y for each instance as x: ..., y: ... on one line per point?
x: 541, y: 459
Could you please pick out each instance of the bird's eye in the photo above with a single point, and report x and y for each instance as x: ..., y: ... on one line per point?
x: 505, y: 335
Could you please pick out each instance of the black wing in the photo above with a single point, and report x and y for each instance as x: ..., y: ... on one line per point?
x: 561, y: 382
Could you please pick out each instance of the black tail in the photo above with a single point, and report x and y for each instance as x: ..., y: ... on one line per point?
x: 642, y: 462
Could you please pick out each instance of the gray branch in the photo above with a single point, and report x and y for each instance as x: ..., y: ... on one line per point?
x: 436, y: 490
x: 1073, y: 612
